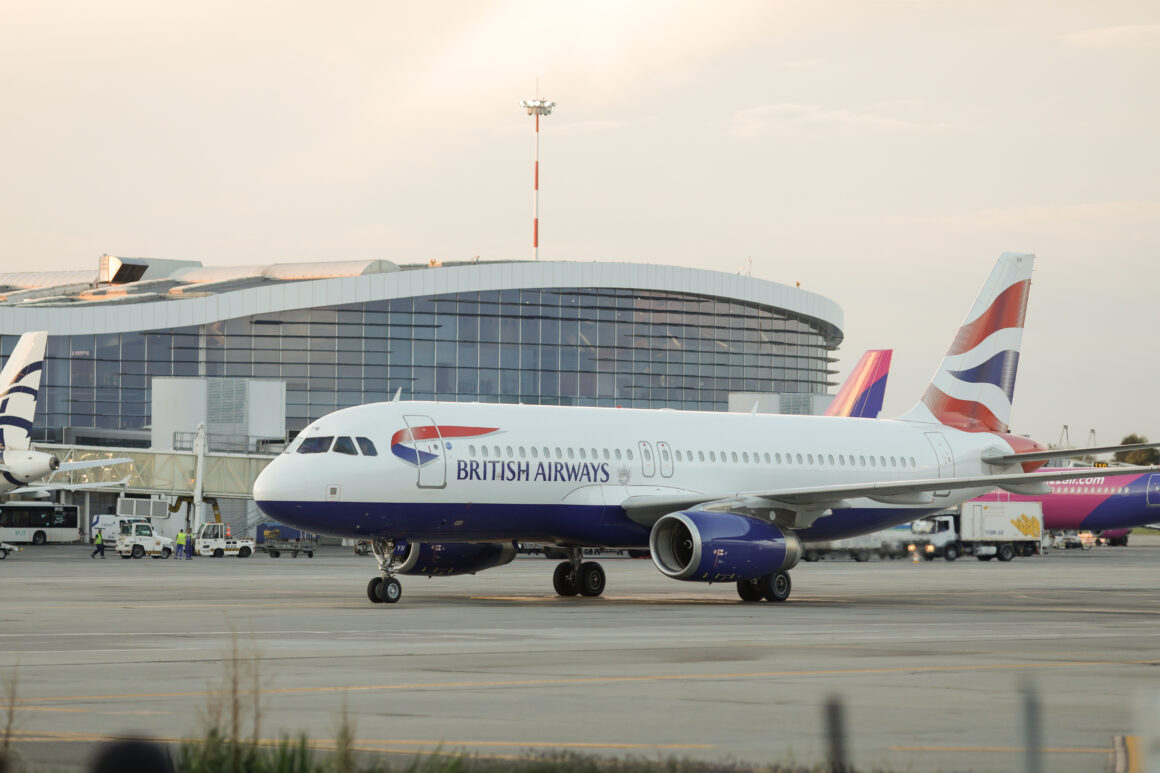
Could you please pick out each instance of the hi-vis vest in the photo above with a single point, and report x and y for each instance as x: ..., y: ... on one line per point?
x: 180, y: 538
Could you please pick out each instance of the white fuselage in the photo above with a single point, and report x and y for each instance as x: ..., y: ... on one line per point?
x: 560, y: 474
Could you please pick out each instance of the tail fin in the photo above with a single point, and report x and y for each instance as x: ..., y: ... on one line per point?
x: 973, y: 388
x: 19, y: 388
x: 864, y: 389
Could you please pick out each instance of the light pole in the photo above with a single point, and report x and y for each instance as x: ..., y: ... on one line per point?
x: 537, y: 107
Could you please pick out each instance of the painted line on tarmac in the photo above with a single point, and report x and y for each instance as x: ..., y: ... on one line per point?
x: 403, y: 746
x: 603, y: 680
x: 1001, y: 749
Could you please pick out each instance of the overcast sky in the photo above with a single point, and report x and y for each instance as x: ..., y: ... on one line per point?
x: 882, y: 153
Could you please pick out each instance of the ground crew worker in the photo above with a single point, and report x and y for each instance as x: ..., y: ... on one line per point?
x: 180, y: 542
x: 99, y: 541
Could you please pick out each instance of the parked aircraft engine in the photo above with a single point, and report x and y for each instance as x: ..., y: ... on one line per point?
x: 25, y: 466
x: 704, y: 546
x: 444, y: 559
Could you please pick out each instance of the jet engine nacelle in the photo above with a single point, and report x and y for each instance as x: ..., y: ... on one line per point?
x: 447, y: 558
x: 704, y: 546
x: 25, y: 466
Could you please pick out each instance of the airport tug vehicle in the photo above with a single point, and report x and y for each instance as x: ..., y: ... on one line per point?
x: 214, y: 539
x: 137, y: 540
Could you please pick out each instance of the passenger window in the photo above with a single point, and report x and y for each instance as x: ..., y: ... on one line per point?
x: 471, y: 450
x: 861, y: 461
x: 535, y: 453
x: 831, y: 458
x: 882, y: 460
x: 571, y: 453
x: 628, y: 454
x: 345, y: 445
x: 616, y: 453
x: 594, y: 454
x: 547, y: 453
x: 872, y: 462
x: 368, y: 448
x: 583, y: 454
x: 712, y: 456
x: 523, y: 453
x: 497, y: 452
x: 559, y: 454
x: 735, y: 457
x: 777, y: 458
x: 319, y: 444
x: 606, y: 454
x: 799, y: 458
x: 912, y: 462
x: 745, y: 456
x: 893, y: 463
x: 509, y: 452
x: 677, y: 453
x: 810, y: 458
x: 767, y: 458
x: 483, y: 451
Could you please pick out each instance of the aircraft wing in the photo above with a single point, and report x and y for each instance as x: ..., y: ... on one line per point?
x: 812, y: 502
x: 47, y: 487
x: 67, y: 466
x: 1057, y: 453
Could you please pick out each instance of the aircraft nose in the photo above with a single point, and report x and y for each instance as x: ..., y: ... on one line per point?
x: 264, y: 485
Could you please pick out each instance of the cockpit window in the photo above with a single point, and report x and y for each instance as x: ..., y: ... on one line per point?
x: 368, y: 448
x: 292, y: 446
x: 345, y: 445
x: 319, y: 444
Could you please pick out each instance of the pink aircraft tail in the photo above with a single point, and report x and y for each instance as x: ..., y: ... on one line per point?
x: 862, y: 393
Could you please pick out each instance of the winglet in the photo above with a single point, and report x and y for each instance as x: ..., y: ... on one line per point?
x: 862, y: 393
x: 19, y: 388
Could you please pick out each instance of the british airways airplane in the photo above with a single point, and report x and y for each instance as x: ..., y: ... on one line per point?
x: 1110, y: 506
x: 449, y: 488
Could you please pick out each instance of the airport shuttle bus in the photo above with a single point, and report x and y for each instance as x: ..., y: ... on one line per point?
x: 38, y: 523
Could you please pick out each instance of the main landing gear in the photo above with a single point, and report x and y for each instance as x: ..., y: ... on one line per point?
x: 772, y: 587
x: 384, y: 589
x: 574, y: 576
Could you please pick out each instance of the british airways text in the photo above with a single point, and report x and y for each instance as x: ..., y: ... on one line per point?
x: 550, y: 472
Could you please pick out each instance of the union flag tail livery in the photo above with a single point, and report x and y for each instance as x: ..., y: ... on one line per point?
x: 973, y: 388
x: 19, y: 388
x: 861, y: 395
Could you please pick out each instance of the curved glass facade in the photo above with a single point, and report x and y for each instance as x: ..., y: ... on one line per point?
x: 566, y: 346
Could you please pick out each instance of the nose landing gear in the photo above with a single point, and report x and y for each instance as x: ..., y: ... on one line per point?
x: 384, y: 589
x: 574, y: 576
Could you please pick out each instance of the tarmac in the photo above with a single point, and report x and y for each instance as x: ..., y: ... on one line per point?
x: 931, y: 661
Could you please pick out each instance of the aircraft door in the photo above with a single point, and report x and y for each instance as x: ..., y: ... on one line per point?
x: 1154, y: 490
x: 429, y: 455
x: 665, y: 458
x: 648, y: 464
x: 944, y: 457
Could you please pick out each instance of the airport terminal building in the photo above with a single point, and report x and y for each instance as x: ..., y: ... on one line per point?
x: 344, y: 333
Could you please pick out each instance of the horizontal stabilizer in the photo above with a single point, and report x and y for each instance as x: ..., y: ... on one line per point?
x: 1062, y: 453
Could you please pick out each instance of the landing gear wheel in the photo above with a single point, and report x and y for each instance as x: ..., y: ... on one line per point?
x: 776, y: 586
x: 811, y: 556
x: 390, y: 590
x: 218, y: 553
x: 591, y: 580
x: 749, y: 590
x: 373, y: 590
x: 1006, y: 552
x: 138, y: 551
x: 563, y: 580
x: 951, y: 552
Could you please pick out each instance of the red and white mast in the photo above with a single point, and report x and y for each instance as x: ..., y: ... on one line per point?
x: 537, y: 107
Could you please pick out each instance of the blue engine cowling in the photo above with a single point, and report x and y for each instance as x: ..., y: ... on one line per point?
x: 444, y: 559
x: 703, y: 546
